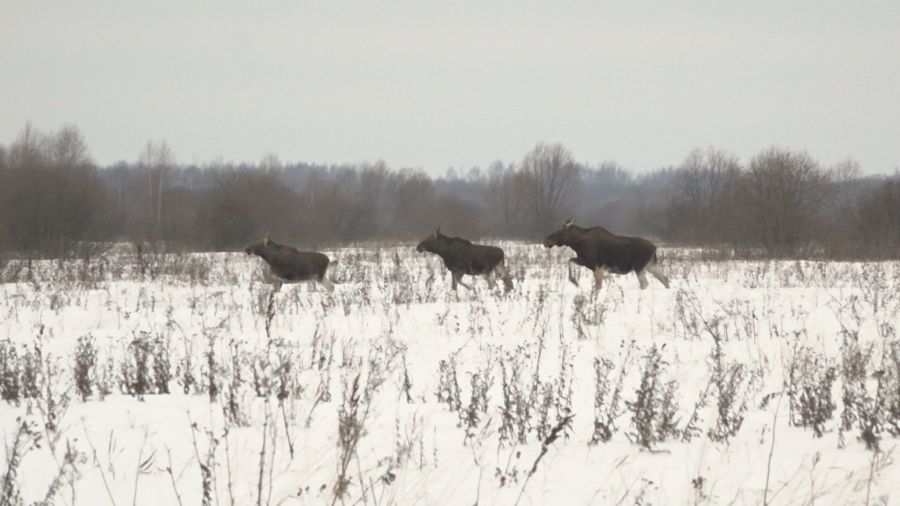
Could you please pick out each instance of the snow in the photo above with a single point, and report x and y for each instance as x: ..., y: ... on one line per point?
x: 393, y: 316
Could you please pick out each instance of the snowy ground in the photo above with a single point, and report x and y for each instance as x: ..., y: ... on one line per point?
x: 745, y: 383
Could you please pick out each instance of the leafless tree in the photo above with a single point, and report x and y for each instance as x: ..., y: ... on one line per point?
x: 553, y: 177
x: 878, y: 218
x: 783, y: 191
x: 51, y: 197
x: 156, y: 159
x: 700, y: 206
x: 506, y: 195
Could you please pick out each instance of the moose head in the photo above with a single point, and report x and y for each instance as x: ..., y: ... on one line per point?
x: 432, y: 242
x: 561, y: 236
x: 259, y: 247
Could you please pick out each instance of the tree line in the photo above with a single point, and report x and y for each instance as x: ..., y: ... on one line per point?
x: 55, y: 200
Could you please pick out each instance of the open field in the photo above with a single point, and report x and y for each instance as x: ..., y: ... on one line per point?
x: 184, y: 379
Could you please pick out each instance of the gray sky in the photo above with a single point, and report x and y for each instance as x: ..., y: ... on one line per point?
x: 433, y: 84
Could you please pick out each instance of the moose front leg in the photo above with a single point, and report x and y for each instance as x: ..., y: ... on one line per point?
x: 599, y: 274
x: 573, y: 262
x: 456, y: 276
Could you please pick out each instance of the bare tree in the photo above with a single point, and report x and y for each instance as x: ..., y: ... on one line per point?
x: 270, y: 164
x: 156, y: 159
x: 878, y: 217
x: 506, y: 197
x: 51, y: 197
x: 783, y: 192
x: 553, y: 176
x: 68, y: 149
x: 699, y: 210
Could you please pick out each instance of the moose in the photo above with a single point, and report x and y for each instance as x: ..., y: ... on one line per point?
x: 288, y: 265
x: 601, y: 251
x: 461, y: 257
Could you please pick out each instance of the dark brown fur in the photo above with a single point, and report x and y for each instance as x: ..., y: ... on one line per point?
x: 597, y: 248
x: 290, y: 265
x: 462, y: 257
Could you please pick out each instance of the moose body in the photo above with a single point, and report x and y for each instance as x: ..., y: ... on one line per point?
x: 601, y: 251
x: 462, y: 257
x: 288, y: 265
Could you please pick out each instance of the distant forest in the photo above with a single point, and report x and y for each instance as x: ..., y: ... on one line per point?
x: 55, y: 201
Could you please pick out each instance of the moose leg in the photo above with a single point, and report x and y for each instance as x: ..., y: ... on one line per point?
x: 572, y: 271
x: 454, y: 278
x: 599, y: 274
x: 642, y: 278
x: 654, y: 269
x: 504, y: 275
x: 489, y: 276
x: 463, y: 283
x: 326, y: 283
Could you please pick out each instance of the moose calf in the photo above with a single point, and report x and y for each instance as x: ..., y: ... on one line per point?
x: 461, y: 257
x: 291, y: 266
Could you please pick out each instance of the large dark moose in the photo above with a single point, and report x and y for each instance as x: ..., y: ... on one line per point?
x: 463, y: 257
x: 603, y: 252
x: 288, y: 265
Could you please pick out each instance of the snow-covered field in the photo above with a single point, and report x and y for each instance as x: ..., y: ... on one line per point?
x: 182, y: 379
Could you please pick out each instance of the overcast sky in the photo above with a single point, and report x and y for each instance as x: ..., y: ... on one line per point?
x: 437, y: 84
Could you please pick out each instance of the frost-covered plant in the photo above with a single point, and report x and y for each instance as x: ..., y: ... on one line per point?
x: 515, y: 416
x: 162, y: 364
x: 448, y: 391
x: 564, y: 386
x: 233, y: 408
x: 654, y: 406
x: 137, y: 375
x: 405, y: 381
x: 85, y: 362
x: 732, y: 383
x: 287, y: 383
x: 890, y: 385
x: 471, y: 415
x: 691, y: 427
x: 30, y: 370
x: 27, y: 438
x: 10, y: 386
x: 185, y: 371
x: 352, y: 414
x: 608, y: 396
x: 107, y: 381
x: 212, y: 383
x: 859, y: 408
x: 588, y: 312
x: 67, y: 473
x: 810, y: 380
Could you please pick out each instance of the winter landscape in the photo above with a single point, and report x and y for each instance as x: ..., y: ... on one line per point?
x: 186, y: 379
x: 483, y: 253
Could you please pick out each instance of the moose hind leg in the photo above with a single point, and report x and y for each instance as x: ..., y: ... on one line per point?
x: 327, y: 283
x: 658, y: 274
x: 642, y: 279
x: 504, y: 275
x: 599, y: 274
x: 463, y: 283
x: 489, y: 276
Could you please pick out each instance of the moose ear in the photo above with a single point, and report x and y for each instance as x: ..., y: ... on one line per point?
x: 437, y: 231
x: 569, y: 222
